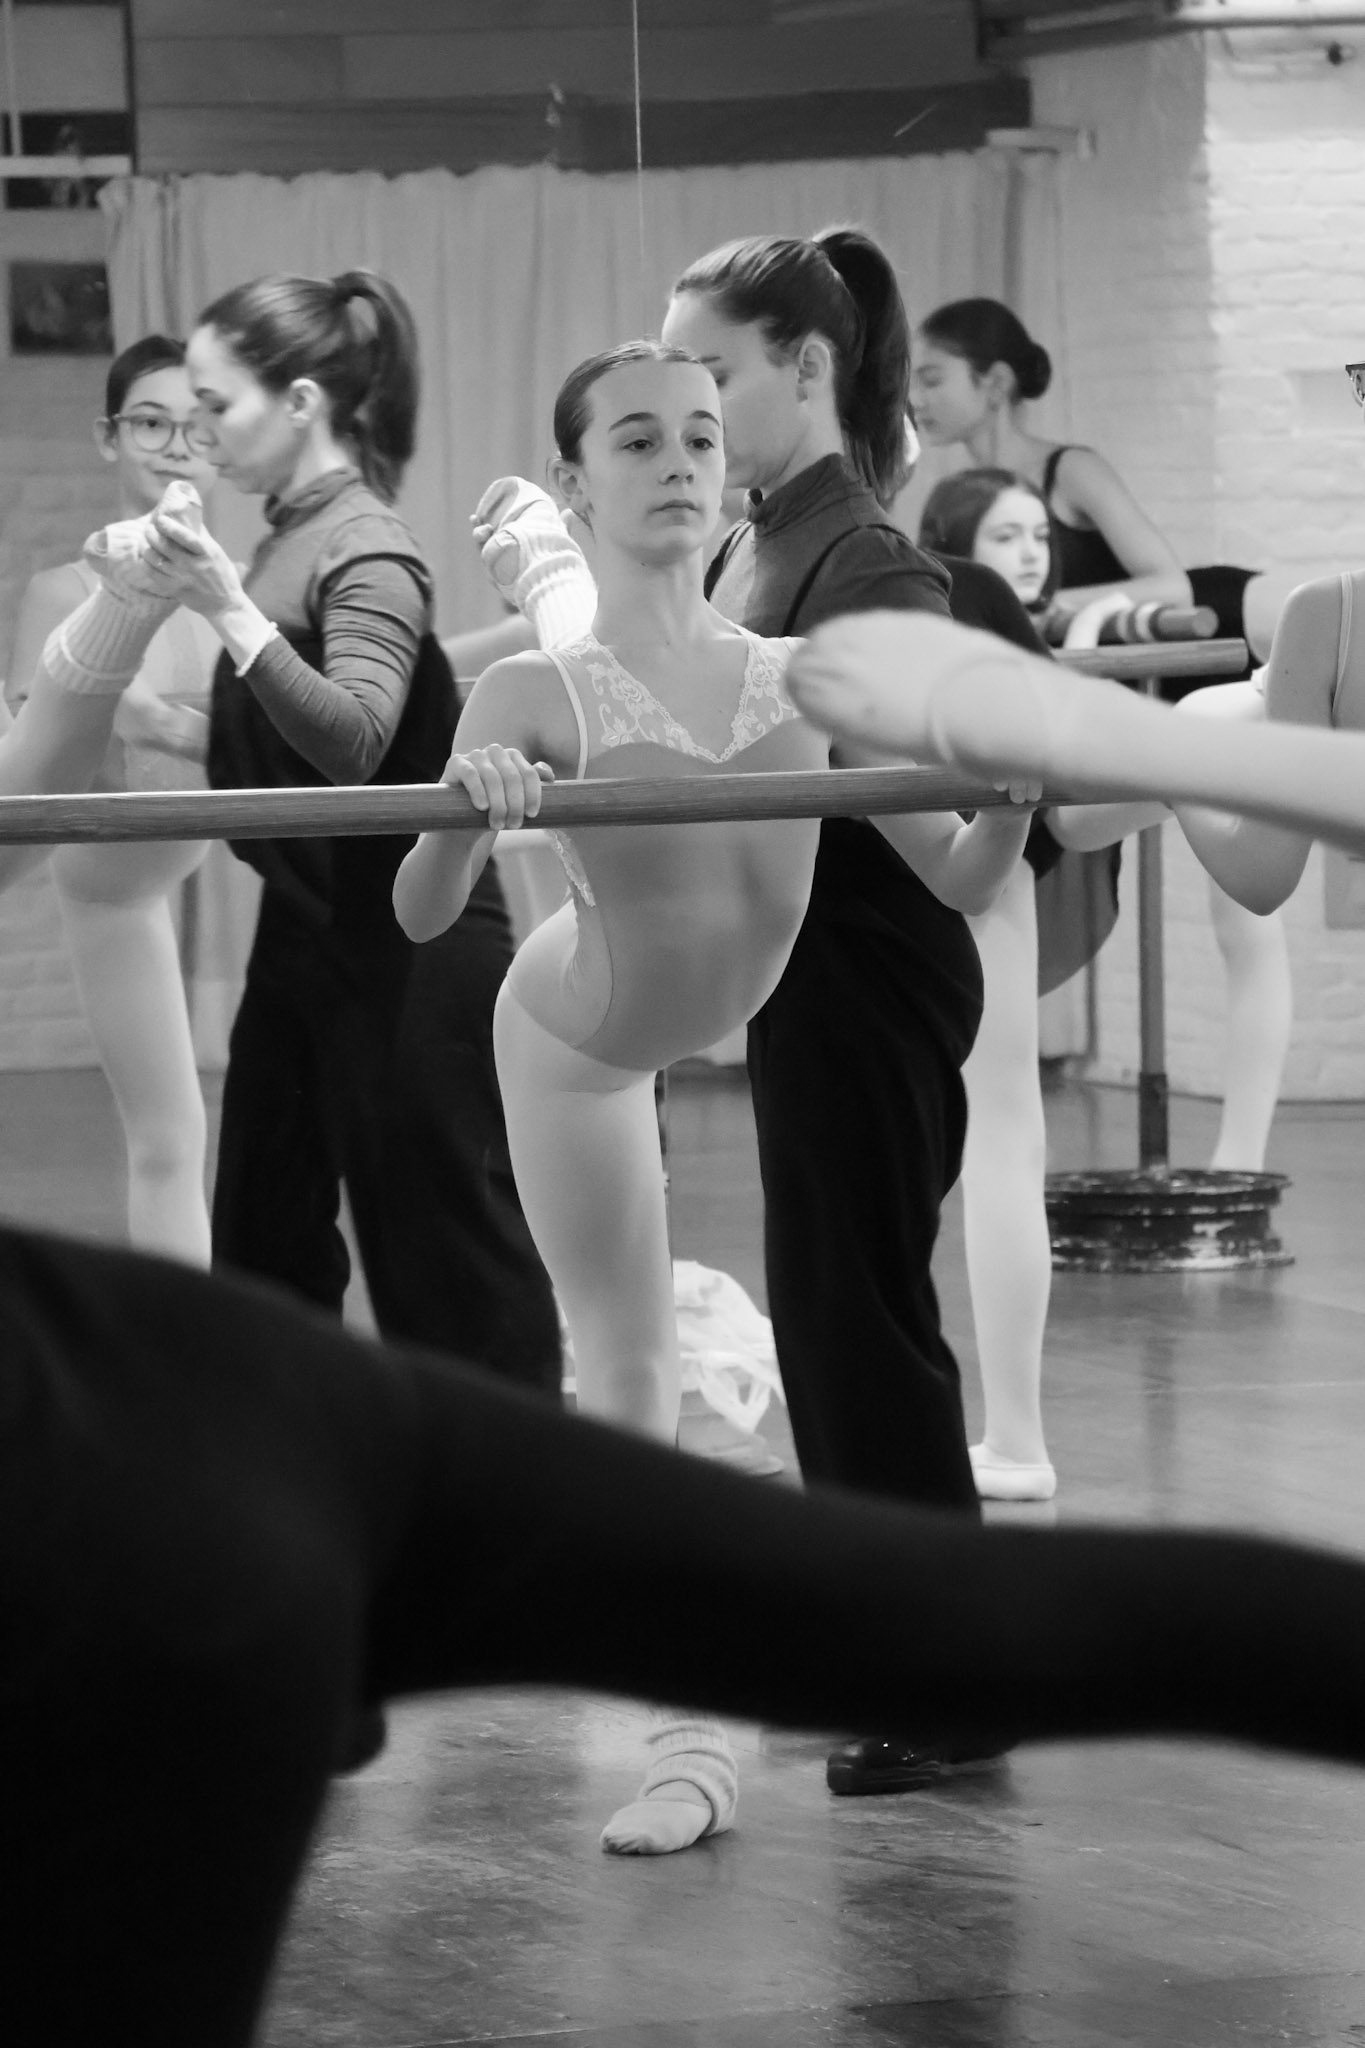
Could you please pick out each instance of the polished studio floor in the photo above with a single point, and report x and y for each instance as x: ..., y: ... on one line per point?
x: 1182, y: 1897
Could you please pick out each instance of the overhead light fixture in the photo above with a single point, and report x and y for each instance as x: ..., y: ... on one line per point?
x: 1043, y: 141
x: 1225, y: 14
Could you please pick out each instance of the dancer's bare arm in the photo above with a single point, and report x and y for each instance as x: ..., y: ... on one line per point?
x: 514, y: 733
x: 966, y: 865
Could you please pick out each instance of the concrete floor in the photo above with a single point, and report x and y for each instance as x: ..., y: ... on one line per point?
x: 1177, y: 1896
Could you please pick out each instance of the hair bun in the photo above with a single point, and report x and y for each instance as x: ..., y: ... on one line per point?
x: 1037, y: 372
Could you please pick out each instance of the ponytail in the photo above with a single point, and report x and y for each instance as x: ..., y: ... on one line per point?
x: 384, y: 423
x: 840, y: 285
x: 878, y: 391
x: 355, y: 337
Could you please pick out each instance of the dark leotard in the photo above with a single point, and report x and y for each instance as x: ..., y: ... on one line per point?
x: 1084, y: 556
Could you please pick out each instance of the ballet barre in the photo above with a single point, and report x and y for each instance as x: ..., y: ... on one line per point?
x: 1180, y: 660
x: 433, y: 807
x: 57, y: 820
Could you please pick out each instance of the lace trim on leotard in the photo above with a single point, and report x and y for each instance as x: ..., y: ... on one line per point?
x: 627, y: 712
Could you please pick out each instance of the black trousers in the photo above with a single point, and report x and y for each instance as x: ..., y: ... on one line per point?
x: 224, y: 1521
x: 856, y: 1068
x: 358, y: 1057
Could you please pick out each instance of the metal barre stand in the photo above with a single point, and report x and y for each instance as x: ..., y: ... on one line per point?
x: 1159, y: 1219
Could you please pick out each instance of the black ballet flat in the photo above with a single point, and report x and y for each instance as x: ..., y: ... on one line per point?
x: 874, y: 1764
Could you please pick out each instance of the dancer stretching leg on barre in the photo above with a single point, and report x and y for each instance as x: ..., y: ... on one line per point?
x: 116, y: 900
x: 673, y: 935
x: 947, y: 693
x: 59, y: 739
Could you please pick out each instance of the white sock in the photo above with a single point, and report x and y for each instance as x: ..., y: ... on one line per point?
x: 98, y: 650
x: 116, y: 553
x: 535, y: 562
x: 690, y: 1789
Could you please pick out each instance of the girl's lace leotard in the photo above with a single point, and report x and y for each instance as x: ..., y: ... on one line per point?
x: 674, y: 933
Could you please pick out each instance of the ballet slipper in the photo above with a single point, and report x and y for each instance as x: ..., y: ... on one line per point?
x: 1010, y: 1478
x: 690, y: 1790
x: 533, y: 560
x: 912, y: 683
x: 118, y: 553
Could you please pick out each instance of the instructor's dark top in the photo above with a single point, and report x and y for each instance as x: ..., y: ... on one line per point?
x: 355, y: 688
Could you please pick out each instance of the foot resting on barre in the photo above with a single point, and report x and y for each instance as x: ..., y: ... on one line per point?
x: 908, y: 683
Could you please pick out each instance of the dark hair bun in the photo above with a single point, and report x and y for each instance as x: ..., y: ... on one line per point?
x: 1034, y: 374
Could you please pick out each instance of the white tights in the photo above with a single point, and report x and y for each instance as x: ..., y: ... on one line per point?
x: 1009, y: 1257
x: 1259, y: 1018
x: 584, y: 1142
x: 115, y: 904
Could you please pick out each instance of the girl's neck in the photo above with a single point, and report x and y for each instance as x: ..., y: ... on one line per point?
x: 1001, y: 443
x: 646, y: 604
x: 824, y: 437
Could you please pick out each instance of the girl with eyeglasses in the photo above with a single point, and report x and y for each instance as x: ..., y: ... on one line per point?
x: 116, y: 900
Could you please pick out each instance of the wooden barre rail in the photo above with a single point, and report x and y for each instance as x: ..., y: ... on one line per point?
x: 431, y: 806
x: 1178, y: 659
x: 421, y: 807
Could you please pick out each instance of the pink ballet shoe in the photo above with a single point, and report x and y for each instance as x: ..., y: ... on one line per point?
x: 1010, y: 1478
x: 118, y: 553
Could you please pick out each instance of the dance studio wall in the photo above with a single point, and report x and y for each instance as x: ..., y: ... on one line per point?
x: 1212, y: 275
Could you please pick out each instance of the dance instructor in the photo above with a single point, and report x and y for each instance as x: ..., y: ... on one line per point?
x: 350, y: 1059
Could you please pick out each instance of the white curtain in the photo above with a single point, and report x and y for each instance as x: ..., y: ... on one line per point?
x: 514, y: 275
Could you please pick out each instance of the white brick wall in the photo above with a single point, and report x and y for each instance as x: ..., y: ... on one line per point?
x: 53, y: 490
x: 1213, y: 259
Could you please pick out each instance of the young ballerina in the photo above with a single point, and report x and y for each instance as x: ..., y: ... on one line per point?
x: 116, y: 899
x: 993, y: 517
x: 354, y: 1057
x: 672, y: 937
x: 855, y: 1060
x: 977, y: 366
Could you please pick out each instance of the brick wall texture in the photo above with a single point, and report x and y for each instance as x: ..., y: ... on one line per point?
x: 1213, y: 264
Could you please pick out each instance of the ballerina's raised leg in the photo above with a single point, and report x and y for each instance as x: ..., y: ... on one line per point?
x: 911, y: 684
x: 61, y: 734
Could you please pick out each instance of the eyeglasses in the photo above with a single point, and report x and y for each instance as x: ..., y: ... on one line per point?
x: 153, y: 432
x: 1356, y: 373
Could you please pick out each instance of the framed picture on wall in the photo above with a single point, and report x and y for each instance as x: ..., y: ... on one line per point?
x: 59, y: 309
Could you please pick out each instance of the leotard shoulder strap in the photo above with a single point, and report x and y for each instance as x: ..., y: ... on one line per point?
x: 1050, y: 468
x: 571, y: 690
